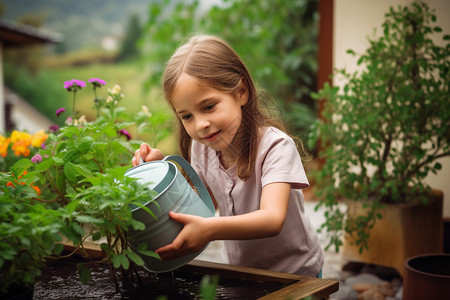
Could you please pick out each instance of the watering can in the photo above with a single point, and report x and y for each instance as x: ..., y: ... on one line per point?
x: 173, y: 194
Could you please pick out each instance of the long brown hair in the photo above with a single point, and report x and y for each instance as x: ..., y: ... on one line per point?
x: 215, y: 64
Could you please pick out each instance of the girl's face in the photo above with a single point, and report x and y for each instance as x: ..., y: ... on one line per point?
x: 209, y: 116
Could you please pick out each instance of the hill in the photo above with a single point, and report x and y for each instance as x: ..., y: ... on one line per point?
x: 83, y: 23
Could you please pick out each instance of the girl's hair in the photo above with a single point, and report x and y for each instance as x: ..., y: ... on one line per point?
x: 216, y: 65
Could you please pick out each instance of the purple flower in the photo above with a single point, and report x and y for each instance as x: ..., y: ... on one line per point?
x: 59, y: 112
x: 125, y: 133
x: 54, y: 127
x: 74, y: 84
x: 97, y: 82
x: 36, y: 159
x: 43, y: 146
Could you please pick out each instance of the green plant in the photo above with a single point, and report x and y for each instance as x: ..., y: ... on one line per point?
x: 29, y: 232
x: 81, y: 173
x: 384, y: 131
x: 74, y: 187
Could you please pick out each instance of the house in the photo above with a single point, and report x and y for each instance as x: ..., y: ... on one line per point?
x: 15, y: 112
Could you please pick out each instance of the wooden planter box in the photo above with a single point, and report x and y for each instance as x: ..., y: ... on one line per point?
x: 405, y: 230
x: 60, y: 281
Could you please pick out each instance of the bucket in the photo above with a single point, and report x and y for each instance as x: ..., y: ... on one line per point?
x: 173, y: 194
x: 427, y: 276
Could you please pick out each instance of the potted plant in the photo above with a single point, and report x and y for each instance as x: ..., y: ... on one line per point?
x: 382, y: 134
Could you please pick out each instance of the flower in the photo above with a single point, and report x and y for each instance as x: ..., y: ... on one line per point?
x: 115, y: 90
x: 37, y: 189
x: 97, y: 82
x: 53, y: 128
x: 38, y: 138
x: 59, y: 111
x: 69, y: 121
x: 21, y: 148
x: 36, y: 159
x: 74, y: 84
x: 20, y: 136
x: 125, y: 133
x: 4, y: 143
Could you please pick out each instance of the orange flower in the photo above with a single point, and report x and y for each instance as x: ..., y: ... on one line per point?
x: 4, y: 143
x: 21, y: 147
x: 10, y: 184
x: 37, y: 189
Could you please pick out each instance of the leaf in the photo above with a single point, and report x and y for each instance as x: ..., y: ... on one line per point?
x: 89, y: 219
x: 123, y: 144
x: 70, y: 172
x: 82, y: 170
x: 145, y: 208
x: 45, y: 164
x: 84, y: 273
x: 134, y: 257
x: 120, y: 260
x: 85, y: 145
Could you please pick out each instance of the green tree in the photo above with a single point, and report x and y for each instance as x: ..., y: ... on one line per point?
x: 277, y: 40
x: 133, y: 33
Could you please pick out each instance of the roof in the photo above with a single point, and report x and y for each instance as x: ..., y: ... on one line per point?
x: 14, y: 34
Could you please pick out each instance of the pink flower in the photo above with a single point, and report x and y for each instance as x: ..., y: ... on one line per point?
x: 60, y: 111
x: 97, y: 82
x: 54, y: 127
x: 74, y: 84
x: 36, y: 159
x: 125, y: 133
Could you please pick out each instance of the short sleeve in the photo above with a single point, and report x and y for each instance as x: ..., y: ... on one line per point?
x: 281, y: 162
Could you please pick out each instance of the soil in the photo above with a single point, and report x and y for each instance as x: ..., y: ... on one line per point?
x: 60, y: 281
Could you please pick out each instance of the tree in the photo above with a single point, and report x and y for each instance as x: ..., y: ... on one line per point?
x: 133, y: 33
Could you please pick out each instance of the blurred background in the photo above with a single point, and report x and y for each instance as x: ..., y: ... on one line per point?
x: 128, y: 42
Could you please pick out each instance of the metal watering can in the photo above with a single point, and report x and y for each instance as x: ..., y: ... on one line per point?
x: 174, y: 194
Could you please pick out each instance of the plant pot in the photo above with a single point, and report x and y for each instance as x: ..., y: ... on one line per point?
x: 427, y: 277
x: 404, y: 231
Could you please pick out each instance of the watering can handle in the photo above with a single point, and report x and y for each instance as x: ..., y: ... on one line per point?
x: 202, y: 191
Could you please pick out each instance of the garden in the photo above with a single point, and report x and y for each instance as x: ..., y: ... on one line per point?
x: 68, y: 209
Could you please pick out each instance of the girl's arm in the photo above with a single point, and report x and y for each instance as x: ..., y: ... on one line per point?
x: 265, y: 222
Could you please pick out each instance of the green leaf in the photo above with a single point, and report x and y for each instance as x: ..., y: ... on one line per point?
x: 88, y: 219
x: 122, y: 144
x: 70, y: 172
x: 120, y: 260
x: 45, y: 164
x: 145, y: 208
x: 82, y: 170
x: 134, y: 257
x: 84, y: 273
x: 85, y: 145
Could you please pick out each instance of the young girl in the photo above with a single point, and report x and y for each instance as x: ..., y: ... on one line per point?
x: 249, y: 165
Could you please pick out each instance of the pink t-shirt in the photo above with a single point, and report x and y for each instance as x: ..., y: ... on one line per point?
x: 296, y: 248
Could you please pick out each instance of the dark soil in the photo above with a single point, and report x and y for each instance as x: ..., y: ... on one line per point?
x: 60, y: 281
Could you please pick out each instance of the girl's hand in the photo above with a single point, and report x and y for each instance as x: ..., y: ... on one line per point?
x: 147, y: 153
x: 192, y: 237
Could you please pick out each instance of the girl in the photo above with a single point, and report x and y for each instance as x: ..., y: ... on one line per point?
x: 249, y: 165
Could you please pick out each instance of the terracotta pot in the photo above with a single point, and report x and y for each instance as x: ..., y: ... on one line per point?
x: 427, y: 277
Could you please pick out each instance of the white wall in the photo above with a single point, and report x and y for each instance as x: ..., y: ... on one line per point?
x: 354, y: 21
